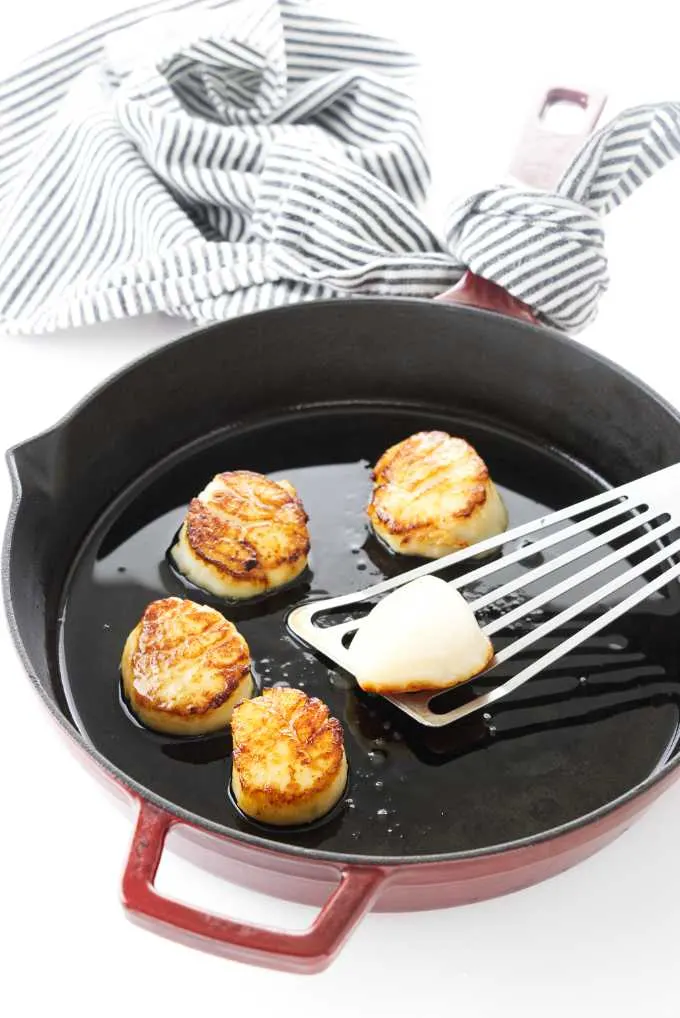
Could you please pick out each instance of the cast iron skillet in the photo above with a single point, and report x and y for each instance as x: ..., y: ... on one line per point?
x: 314, y: 393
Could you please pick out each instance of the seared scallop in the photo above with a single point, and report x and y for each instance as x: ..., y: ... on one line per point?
x: 289, y: 764
x: 432, y: 495
x: 243, y: 535
x: 422, y: 636
x: 185, y: 668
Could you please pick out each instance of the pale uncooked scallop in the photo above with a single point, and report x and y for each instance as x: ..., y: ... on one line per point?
x: 422, y: 636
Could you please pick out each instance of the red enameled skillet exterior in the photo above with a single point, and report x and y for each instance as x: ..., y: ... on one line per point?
x: 345, y: 888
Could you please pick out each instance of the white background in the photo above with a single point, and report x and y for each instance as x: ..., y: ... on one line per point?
x: 598, y: 940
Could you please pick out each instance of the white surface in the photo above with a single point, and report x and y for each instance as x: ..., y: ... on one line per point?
x: 598, y: 940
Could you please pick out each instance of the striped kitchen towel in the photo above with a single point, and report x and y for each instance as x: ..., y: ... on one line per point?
x: 206, y: 158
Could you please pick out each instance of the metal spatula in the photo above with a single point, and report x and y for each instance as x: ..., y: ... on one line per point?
x: 629, y: 524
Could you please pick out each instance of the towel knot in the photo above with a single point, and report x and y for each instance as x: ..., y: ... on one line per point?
x: 544, y: 249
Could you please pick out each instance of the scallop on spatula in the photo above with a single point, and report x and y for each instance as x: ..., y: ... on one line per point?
x: 610, y: 552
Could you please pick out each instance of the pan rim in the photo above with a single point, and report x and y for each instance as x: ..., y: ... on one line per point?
x: 137, y: 789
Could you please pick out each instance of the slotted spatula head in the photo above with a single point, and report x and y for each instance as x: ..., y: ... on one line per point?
x: 615, y: 549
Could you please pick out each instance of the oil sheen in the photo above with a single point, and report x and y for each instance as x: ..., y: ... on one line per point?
x: 570, y: 741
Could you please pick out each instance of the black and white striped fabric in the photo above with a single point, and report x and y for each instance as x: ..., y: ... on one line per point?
x: 206, y: 158
x: 548, y: 249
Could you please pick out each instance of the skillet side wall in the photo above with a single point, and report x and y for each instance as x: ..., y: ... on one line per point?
x: 478, y: 364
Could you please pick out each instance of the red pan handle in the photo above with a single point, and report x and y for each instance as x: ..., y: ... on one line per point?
x: 309, y: 951
x: 539, y: 160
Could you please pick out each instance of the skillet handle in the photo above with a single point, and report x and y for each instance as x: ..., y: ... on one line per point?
x: 540, y: 158
x: 309, y: 951
x: 478, y: 292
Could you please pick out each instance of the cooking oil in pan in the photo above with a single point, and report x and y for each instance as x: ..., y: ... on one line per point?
x: 571, y: 740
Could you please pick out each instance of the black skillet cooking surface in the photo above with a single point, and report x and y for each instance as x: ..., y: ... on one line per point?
x: 595, y: 725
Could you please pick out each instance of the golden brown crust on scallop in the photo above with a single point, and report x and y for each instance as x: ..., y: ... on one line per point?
x: 289, y: 760
x: 432, y: 494
x: 183, y: 659
x: 246, y: 533
x: 423, y: 685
